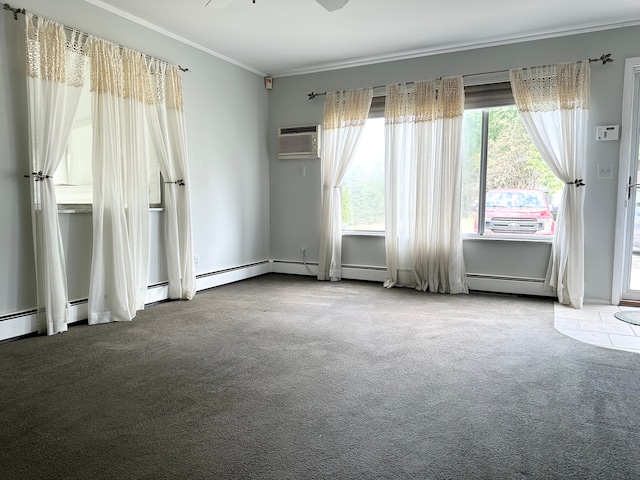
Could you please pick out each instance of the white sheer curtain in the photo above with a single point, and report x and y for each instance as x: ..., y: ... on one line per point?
x: 167, y: 127
x: 55, y: 75
x: 120, y: 258
x: 554, y: 104
x: 423, y: 185
x: 345, y: 114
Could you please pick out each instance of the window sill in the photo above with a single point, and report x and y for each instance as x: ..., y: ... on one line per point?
x: 511, y: 238
x: 468, y: 237
x: 362, y: 233
x: 89, y: 209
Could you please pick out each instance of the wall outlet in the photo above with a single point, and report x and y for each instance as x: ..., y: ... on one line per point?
x: 196, y: 260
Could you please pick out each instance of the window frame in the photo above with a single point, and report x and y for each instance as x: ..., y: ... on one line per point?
x: 482, y: 91
x: 83, y: 121
x: 375, y: 111
x: 484, y: 96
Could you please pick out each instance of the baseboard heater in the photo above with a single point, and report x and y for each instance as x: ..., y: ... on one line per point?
x: 508, y: 284
x: 24, y: 322
x: 232, y: 269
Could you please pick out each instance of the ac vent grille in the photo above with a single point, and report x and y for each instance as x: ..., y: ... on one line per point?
x: 299, y: 142
x: 293, y: 130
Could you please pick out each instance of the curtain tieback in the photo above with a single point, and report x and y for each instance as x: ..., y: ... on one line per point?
x: 577, y: 182
x: 179, y: 182
x: 38, y: 176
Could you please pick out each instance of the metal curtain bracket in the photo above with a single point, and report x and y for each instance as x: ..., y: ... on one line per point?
x: 15, y: 11
x: 578, y: 182
x: 38, y: 176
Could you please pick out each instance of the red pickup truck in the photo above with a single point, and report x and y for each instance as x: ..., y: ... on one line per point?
x: 517, y: 211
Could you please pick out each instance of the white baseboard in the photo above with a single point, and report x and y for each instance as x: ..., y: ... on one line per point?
x: 513, y: 285
x: 222, y: 277
x: 19, y: 325
x: 349, y: 272
x: 294, y: 268
x: 478, y: 282
x: 25, y: 323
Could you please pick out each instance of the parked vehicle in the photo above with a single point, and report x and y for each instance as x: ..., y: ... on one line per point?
x: 518, y: 211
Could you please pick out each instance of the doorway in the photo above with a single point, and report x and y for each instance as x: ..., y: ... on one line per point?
x: 626, y: 282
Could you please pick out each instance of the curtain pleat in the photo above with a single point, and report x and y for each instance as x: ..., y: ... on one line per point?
x: 55, y: 75
x: 345, y: 114
x: 167, y: 127
x: 120, y: 255
x: 553, y: 102
x: 423, y: 186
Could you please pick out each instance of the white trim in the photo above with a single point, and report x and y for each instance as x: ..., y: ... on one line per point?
x: 630, y: 67
x: 167, y: 33
x: 478, y: 282
x: 512, y: 285
x: 18, y: 326
x: 25, y: 323
x: 222, y: 277
x: 294, y: 268
x: 459, y: 47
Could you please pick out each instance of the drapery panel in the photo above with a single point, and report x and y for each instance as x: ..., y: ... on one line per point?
x: 167, y: 128
x: 423, y: 130
x: 120, y: 255
x: 55, y: 75
x: 345, y: 114
x: 553, y: 102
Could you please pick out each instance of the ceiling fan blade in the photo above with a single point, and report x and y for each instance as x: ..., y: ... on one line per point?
x: 218, y: 3
x: 332, y: 5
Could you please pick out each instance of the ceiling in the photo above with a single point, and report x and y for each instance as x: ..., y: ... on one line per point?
x: 287, y: 37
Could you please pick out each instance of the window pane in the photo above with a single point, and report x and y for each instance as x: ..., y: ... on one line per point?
x: 73, y: 179
x: 363, y: 184
x: 471, y: 156
x: 520, y: 189
x: 519, y: 184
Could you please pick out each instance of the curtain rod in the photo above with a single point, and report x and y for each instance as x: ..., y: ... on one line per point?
x: 22, y: 11
x: 604, y: 58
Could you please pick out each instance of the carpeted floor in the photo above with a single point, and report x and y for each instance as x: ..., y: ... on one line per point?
x: 284, y: 377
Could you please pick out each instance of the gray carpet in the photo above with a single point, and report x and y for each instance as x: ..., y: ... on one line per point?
x: 284, y: 377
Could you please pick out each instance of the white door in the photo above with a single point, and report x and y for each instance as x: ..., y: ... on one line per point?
x: 626, y: 284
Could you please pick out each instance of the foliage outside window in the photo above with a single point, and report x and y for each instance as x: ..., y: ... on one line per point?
x: 505, y: 180
x: 363, y: 184
x: 507, y: 189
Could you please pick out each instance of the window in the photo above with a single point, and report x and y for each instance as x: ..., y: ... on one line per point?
x: 363, y: 184
x: 73, y: 178
x: 507, y: 189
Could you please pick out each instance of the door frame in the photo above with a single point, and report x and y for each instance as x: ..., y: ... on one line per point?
x: 627, y: 144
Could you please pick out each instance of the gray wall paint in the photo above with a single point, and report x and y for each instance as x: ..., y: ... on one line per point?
x: 296, y: 199
x: 226, y: 111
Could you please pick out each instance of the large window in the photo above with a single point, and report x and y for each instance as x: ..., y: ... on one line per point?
x: 73, y: 179
x: 507, y: 188
x: 363, y: 184
x: 508, y: 191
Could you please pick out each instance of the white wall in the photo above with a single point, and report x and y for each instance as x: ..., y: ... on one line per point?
x: 226, y: 109
x: 296, y: 199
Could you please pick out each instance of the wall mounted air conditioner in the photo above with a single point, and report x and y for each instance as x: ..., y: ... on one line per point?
x: 299, y: 142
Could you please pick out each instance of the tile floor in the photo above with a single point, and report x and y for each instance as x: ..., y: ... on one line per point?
x: 595, y: 324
